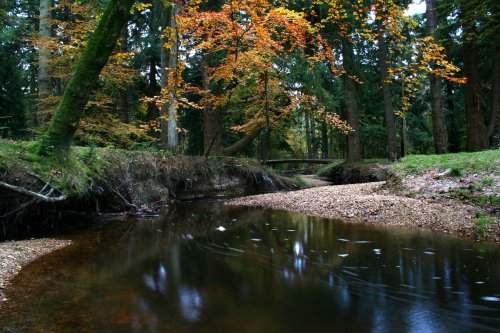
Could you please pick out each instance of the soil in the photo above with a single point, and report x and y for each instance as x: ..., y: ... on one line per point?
x: 375, y: 204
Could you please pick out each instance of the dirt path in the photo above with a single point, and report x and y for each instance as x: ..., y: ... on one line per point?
x: 370, y: 203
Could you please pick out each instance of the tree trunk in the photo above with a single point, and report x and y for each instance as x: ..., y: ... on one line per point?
x: 438, y: 123
x: 351, y: 101
x: 405, y: 140
x: 453, y: 134
x: 324, y: 138
x: 308, y: 134
x: 314, y: 139
x: 59, y: 136
x: 495, y: 84
x: 122, y: 93
x: 173, y: 136
x: 387, y: 96
x: 475, y: 127
x: 267, y: 131
x: 165, y: 54
x: 243, y: 142
x: 212, y: 119
x: 44, y: 87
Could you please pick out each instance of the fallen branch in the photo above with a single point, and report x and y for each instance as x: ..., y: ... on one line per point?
x: 125, y: 201
x: 39, y: 196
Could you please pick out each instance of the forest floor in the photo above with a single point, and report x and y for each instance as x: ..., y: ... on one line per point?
x: 16, y: 254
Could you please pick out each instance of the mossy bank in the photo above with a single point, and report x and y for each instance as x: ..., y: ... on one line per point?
x: 36, y: 190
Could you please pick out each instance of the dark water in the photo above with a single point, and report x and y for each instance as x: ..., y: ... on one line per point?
x: 267, y: 272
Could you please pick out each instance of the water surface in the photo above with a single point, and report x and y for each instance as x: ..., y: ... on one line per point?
x: 203, y: 267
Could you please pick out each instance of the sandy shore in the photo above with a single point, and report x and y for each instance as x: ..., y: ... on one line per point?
x: 16, y: 254
x: 370, y: 203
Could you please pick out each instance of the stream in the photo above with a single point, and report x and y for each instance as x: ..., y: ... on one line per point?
x: 206, y: 267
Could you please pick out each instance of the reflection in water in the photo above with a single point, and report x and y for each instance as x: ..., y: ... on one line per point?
x: 250, y: 270
x: 190, y: 301
x: 157, y: 282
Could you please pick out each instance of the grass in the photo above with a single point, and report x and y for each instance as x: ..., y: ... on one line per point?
x: 300, y: 182
x: 483, y: 223
x: 458, y: 164
x: 325, y: 169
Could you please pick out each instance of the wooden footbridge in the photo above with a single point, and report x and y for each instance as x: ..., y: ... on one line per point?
x: 298, y: 160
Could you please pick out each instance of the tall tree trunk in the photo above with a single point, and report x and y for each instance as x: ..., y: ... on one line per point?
x: 173, y: 136
x: 351, y: 102
x: 267, y: 131
x: 44, y: 87
x: 438, y: 123
x: 314, y: 139
x: 169, y: 58
x: 122, y: 93
x: 63, y: 125
x: 405, y: 140
x: 165, y: 54
x: 324, y: 138
x: 387, y: 96
x: 495, y: 85
x: 307, y: 119
x: 475, y: 127
x: 212, y: 117
x: 453, y: 135
x: 153, y: 89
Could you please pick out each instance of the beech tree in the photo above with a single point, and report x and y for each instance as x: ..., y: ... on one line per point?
x: 64, y: 123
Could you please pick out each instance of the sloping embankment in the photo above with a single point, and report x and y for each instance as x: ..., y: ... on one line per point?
x: 34, y: 190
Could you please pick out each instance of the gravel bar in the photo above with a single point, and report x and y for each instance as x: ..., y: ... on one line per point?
x: 16, y: 254
x: 371, y: 203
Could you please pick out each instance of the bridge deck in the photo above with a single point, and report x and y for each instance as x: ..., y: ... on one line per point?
x: 311, y: 161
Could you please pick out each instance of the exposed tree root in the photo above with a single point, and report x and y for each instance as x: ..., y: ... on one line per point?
x: 38, y: 195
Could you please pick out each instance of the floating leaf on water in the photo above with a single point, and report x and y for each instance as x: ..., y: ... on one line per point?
x: 491, y: 298
x: 407, y: 286
x: 220, y: 228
